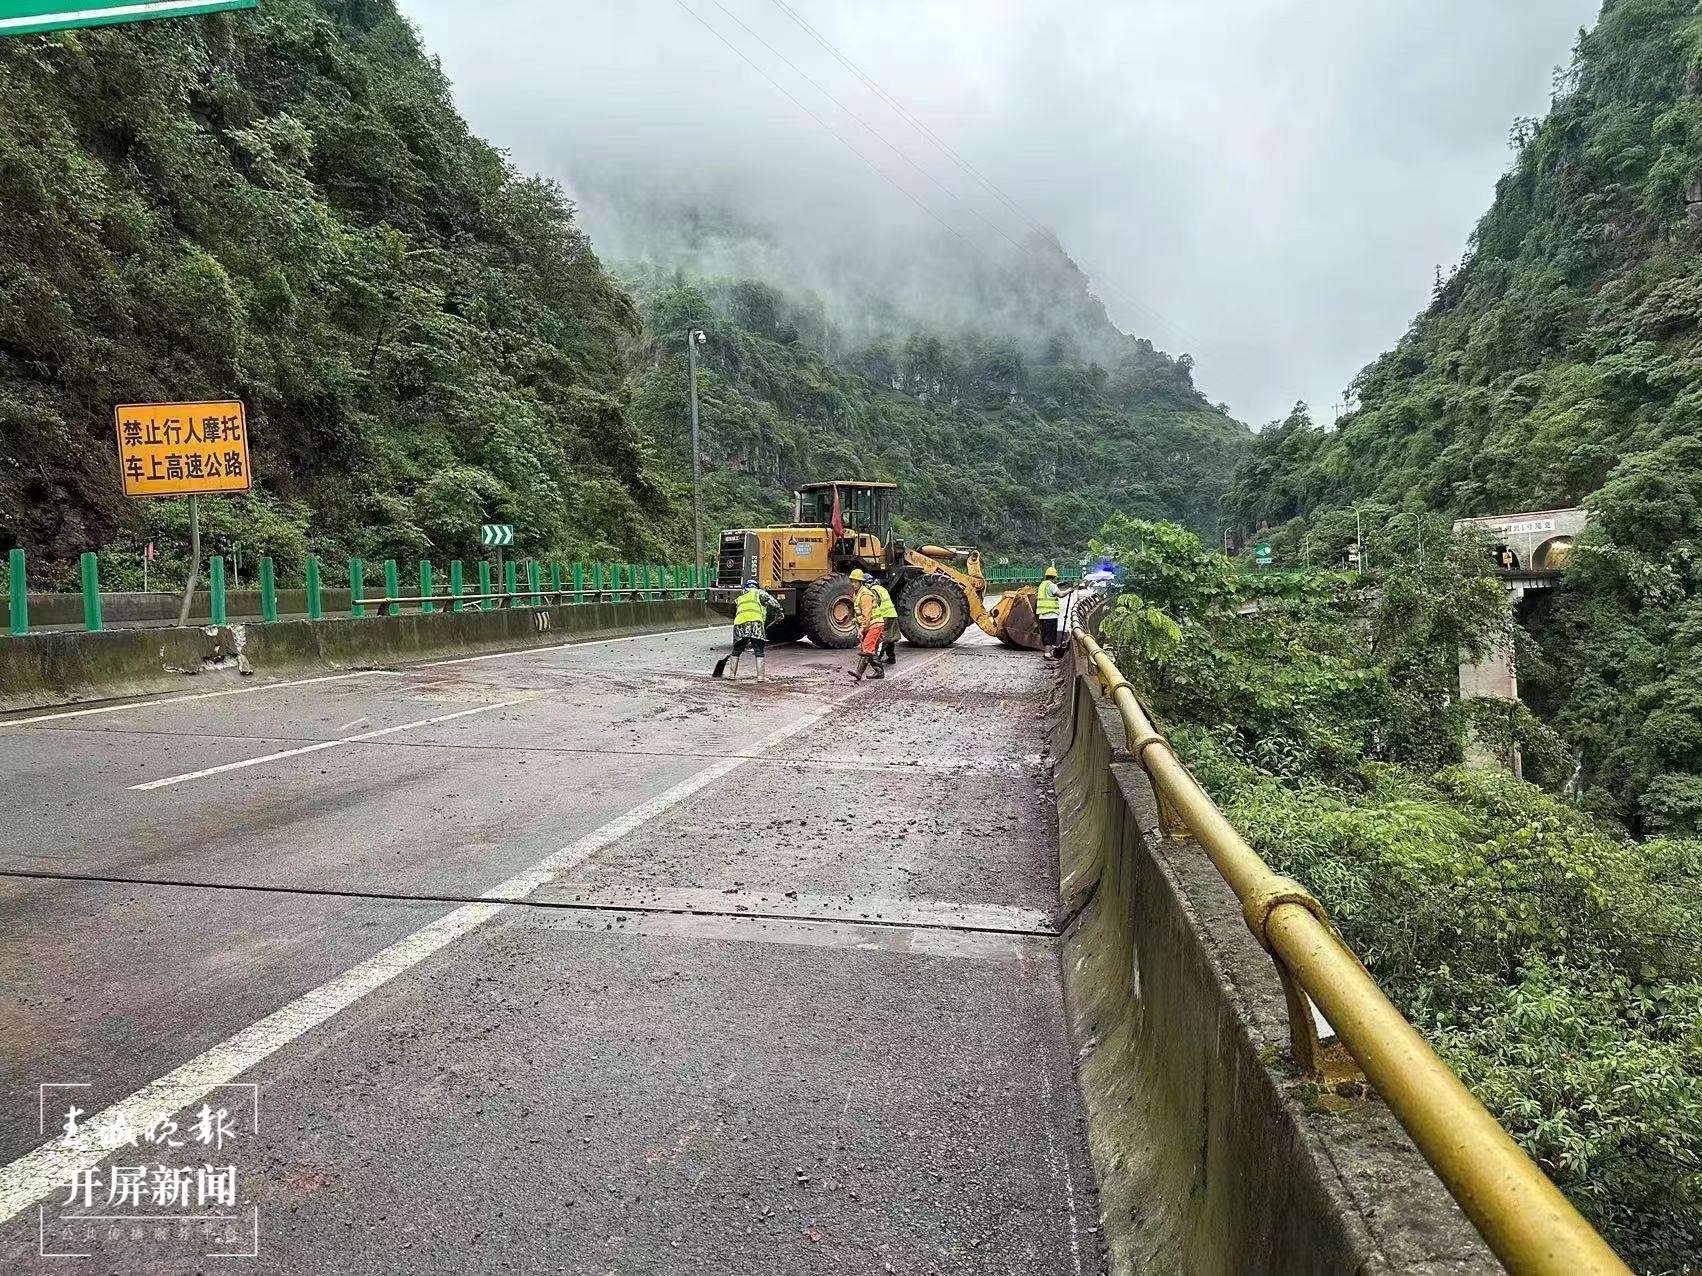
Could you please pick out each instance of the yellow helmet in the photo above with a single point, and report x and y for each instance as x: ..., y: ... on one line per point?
x: 857, y: 574
x: 1051, y: 573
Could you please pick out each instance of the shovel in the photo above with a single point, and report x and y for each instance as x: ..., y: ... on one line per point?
x: 721, y: 665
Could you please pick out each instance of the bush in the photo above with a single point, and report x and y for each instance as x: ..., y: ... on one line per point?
x: 1554, y: 962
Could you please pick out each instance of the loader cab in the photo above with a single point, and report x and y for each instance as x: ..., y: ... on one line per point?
x: 865, y: 511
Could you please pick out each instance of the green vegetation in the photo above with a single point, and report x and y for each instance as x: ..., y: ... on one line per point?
x: 284, y: 205
x: 1018, y: 450
x: 1554, y: 963
x: 1560, y: 365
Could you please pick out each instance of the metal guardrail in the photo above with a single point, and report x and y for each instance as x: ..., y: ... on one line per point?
x: 615, y: 581
x: 1008, y: 575
x: 522, y: 597
x: 1526, y: 1220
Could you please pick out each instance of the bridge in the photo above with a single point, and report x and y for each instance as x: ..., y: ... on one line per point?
x: 1534, y: 547
x: 563, y: 955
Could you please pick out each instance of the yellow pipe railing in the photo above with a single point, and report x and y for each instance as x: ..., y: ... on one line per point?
x: 1529, y: 1224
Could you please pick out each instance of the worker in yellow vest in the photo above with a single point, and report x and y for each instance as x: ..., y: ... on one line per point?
x: 1046, y: 607
x: 751, y: 611
x: 869, y: 627
x: 886, y: 611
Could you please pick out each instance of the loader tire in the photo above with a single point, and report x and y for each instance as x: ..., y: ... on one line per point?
x: 933, y: 612
x: 827, y: 614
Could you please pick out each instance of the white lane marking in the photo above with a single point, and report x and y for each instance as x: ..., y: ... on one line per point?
x: 561, y: 646
x: 327, y: 744
x: 49, y: 1167
x: 200, y: 695
x: 335, y: 677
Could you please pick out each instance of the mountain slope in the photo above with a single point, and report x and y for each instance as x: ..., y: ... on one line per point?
x: 1562, y: 363
x: 284, y: 205
x: 1021, y: 436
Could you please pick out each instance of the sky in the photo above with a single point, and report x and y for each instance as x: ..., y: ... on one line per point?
x: 1267, y: 185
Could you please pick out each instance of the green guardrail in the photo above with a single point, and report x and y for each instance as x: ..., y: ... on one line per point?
x: 524, y: 583
x: 1006, y: 574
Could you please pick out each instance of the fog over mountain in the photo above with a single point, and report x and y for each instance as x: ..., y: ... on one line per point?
x: 1267, y: 186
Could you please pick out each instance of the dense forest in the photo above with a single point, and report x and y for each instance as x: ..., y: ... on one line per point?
x: 1017, y: 448
x: 1548, y: 957
x: 284, y: 205
x: 1560, y: 364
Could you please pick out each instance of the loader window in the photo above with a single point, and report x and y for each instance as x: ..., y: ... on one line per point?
x: 864, y: 509
x: 880, y: 518
x: 855, y: 503
x: 816, y: 508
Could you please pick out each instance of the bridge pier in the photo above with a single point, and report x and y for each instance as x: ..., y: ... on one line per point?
x: 1531, y: 549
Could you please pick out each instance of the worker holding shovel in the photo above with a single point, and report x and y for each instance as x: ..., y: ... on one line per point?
x: 751, y: 613
x: 870, y: 627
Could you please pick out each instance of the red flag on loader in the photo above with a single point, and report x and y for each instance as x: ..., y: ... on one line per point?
x: 837, y: 522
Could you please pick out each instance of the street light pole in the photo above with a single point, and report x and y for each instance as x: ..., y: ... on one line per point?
x: 1418, y: 522
x: 694, y: 338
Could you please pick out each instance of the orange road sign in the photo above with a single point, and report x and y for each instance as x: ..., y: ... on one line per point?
x: 183, y: 449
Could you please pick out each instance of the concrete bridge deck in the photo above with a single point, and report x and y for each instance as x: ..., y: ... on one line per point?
x: 755, y: 979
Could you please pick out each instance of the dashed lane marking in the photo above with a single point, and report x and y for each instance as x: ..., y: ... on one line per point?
x: 200, y: 695
x: 50, y: 1166
x: 320, y: 745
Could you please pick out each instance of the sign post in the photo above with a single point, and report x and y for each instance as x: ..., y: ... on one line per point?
x: 183, y: 449
x: 31, y: 17
x: 497, y: 536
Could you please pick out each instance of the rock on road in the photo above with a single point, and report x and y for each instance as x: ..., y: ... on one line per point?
x: 568, y: 960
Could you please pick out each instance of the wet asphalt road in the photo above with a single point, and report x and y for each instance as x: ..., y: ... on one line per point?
x: 760, y: 980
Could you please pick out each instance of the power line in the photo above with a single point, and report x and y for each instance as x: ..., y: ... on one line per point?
x: 871, y: 129
x: 970, y: 169
x: 828, y: 128
x: 944, y: 146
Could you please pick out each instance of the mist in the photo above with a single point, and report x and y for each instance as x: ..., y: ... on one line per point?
x: 1269, y: 187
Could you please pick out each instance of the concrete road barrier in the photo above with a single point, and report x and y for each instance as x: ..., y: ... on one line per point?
x: 1213, y: 1155
x: 41, y: 670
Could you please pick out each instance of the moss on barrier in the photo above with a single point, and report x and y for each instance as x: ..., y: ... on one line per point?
x: 1212, y: 1157
x: 41, y: 670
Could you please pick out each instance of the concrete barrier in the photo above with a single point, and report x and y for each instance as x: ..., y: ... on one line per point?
x: 157, y: 608
x: 40, y: 670
x: 1213, y: 1156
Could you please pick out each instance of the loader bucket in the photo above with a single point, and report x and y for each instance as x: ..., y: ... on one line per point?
x: 1015, y: 621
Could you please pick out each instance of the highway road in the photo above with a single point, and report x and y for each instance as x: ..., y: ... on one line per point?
x: 570, y: 960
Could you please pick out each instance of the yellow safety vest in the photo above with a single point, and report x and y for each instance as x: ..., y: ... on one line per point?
x: 1046, y: 600
x: 750, y: 607
x: 884, y: 609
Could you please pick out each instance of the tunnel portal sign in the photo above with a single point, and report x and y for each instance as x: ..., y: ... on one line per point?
x: 183, y: 449
x: 28, y: 17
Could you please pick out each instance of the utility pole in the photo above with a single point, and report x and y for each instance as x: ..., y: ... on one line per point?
x: 695, y: 338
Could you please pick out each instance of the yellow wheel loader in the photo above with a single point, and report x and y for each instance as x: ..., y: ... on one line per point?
x: 841, y: 525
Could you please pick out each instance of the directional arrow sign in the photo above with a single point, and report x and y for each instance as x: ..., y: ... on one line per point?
x: 496, y: 534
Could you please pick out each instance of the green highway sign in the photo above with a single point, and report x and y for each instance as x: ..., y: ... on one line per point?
x: 1262, y: 553
x: 27, y: 17
x: 497, y: 534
